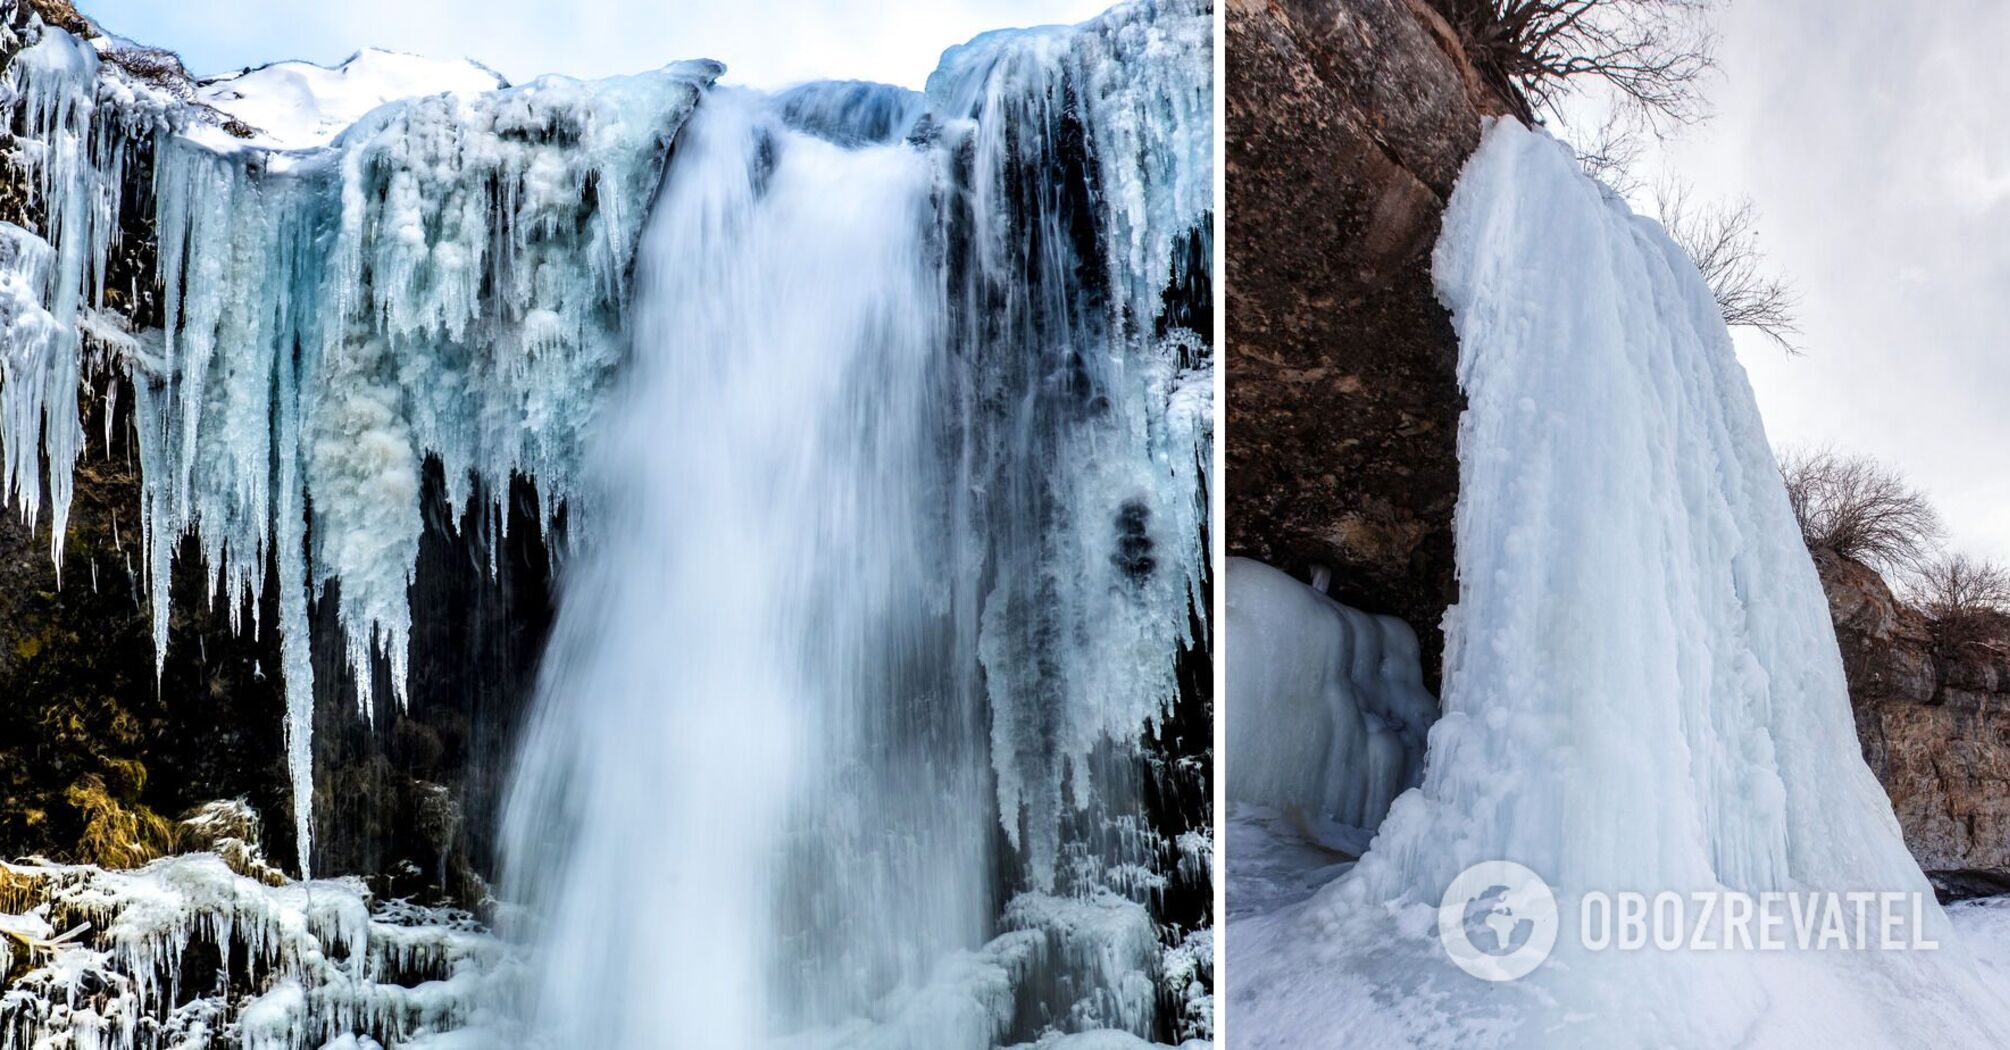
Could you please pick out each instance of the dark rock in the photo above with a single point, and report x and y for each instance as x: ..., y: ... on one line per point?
x: 1348, y: 121
x: 1931, y: 720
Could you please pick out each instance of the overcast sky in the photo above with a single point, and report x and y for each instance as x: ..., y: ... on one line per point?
x: 1872, y: 137
x: 764, y: 43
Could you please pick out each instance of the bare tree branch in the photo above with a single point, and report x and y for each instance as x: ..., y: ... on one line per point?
x: 1651, y: 53
x: 1965, y: 598
x: 1723, y: 241
x: 1610, y: 154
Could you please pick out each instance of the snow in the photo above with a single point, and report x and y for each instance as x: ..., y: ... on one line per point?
x: 1983, y: 926
x: 1330, y: 706
x: 1642, y: 687
x: 301, y: 105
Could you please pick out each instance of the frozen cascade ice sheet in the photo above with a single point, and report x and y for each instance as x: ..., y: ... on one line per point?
x: 1329, y: 704
x: 1642, y: 686
x: 1115, y: 116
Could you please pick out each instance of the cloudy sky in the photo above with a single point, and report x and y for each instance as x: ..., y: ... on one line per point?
x: 765, y: 43
x: 1872, y: 136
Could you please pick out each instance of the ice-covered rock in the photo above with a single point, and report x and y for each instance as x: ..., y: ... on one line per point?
x: 116, y: 960
x: 1328, y: 703
x: 448, y: 280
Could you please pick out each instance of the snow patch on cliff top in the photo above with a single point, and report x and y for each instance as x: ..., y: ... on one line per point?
x: 302, y: 105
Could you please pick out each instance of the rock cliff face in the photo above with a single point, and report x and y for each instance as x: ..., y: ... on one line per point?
x: 1931, y: 718
x: 1347, y: 124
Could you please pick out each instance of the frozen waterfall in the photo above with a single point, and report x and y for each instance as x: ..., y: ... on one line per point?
x: 1642, y: 690
x: 881, y: 429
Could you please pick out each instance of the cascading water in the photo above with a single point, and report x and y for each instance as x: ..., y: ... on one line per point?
x: 896, y: 534
x: 757, y: 744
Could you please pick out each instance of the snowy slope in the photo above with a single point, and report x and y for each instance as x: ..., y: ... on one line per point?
x: 301, y: 105
x: 1642, y: 686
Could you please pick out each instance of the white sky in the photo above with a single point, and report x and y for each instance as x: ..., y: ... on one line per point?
x: 1872, y: 135
x: 764, y: 43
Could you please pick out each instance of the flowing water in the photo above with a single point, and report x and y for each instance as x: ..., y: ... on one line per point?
x: 754, y: 731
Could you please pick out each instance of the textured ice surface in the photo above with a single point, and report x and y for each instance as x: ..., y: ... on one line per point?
x: 1329, y: 704
x: 448, y: 280
x: 1642, y: 687
x: 1114, y: 118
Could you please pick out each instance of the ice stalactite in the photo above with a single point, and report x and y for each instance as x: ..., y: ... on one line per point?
x: 901, y: 529
x: 1330, y: 707
x: 73, y: 157
x: 1642, y: 690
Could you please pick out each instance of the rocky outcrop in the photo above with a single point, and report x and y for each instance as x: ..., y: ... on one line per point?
x: 1931, y: 715
x: 1348, y: 121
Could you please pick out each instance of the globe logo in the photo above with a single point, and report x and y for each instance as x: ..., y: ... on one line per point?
x: 1497, y: 920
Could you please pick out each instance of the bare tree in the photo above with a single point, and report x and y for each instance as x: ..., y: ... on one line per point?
x: 1723, y: 242
x: 1861, y: 509
x: 1610, y: 154
x: 1651, y: 53
x: 1964, y: 597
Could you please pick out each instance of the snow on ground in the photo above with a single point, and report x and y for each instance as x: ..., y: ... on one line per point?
x: 1273, y: 863
x: 301, y: 105
x: 1642, y: 687
x: 1983, y: 926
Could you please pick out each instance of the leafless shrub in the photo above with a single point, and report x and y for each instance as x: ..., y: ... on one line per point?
x: 1965, y: 598
x: 1861, y: 509
x: 1610, y: 154
x: 1723, y: 242
x: 1651, y: 53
